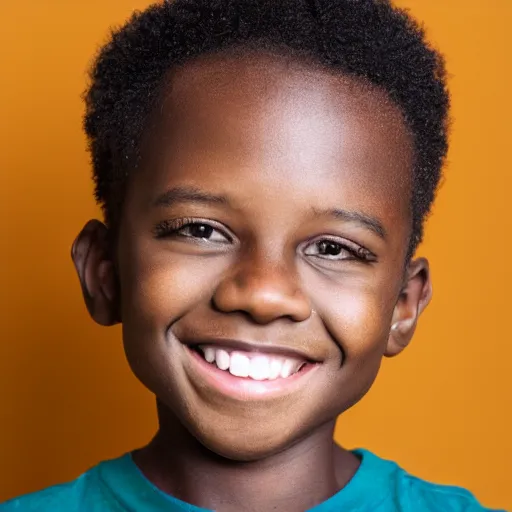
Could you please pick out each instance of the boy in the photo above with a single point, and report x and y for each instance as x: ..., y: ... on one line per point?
x: 265, y: 168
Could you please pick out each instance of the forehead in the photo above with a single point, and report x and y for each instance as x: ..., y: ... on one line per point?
x: 254, y: 122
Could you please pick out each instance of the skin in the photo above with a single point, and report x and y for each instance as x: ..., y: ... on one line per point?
x: 283, y: 143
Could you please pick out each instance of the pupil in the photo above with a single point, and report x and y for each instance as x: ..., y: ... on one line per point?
x: 329, y: 248
x: 201, y: 230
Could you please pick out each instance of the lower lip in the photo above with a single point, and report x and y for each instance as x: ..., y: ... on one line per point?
x: 243, y: 388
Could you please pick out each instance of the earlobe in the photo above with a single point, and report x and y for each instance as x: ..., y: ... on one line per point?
x: 96, y: 271
x: 414, y: 298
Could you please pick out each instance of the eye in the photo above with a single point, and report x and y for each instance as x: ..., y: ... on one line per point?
x: 203, y: 231
x: 334, y: 250
x: 193, y: 229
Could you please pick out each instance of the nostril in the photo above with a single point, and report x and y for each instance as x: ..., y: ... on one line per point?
x: 263, y: 294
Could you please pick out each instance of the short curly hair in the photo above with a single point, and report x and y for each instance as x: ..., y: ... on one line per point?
x: 369, y: 39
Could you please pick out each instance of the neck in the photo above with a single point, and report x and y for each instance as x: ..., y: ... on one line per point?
x: 295, y: 479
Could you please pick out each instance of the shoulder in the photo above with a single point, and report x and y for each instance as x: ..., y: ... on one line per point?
x: 410, y: 493
x: 52, y: 498
x: 435, y: 497
x: 73, y: 496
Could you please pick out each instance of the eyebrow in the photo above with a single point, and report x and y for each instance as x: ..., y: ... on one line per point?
x: 188, y: 194
x: 193, y: 194
x: 364, y: 220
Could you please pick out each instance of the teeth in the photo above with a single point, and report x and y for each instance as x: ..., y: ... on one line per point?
x: 239, y: 365
x: 222, y: 359
x: 260, y: 368
x: 275, y: 368
x: 255, y: 366
x: 209, y: 354
x: 290, y: 367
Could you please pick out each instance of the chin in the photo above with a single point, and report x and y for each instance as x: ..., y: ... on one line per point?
x: 241, y: 449
x: 252, y: 440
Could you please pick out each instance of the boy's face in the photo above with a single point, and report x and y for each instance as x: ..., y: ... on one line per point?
x: 299, y: 181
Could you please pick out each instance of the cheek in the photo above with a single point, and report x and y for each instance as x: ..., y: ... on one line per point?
x: 357, y: 316
x: 160, y: 286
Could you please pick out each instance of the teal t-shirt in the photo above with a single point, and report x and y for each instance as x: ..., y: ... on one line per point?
x: 119, y: 486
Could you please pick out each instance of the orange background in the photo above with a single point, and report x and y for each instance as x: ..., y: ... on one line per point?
x: 443, y: 409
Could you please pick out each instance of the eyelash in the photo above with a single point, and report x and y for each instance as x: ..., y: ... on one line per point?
x: 172, y: 228
x: 357, y: 253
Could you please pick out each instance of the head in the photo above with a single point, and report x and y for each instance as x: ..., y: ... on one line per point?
x: 265, y: 170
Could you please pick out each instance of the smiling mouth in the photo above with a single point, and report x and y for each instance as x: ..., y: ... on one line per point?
x: 255, y: 366
x: 249, y: 372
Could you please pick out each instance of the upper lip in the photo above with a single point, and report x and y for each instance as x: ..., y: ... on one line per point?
x: 251, y: 346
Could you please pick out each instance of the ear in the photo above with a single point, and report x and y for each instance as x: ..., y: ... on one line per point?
x: 93, y: 262
x: 414, y: 298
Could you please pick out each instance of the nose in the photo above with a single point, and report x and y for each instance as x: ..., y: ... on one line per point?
x: 264, y: 290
